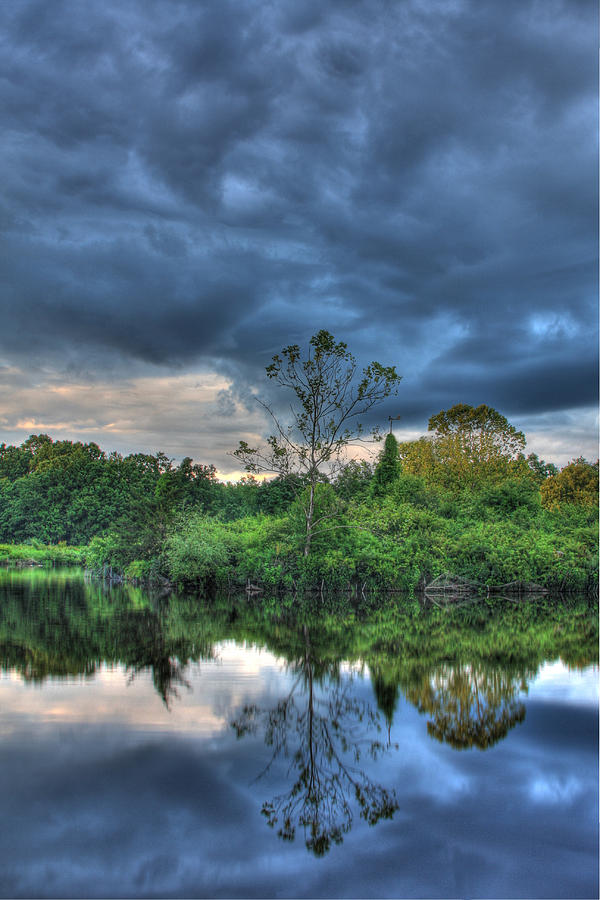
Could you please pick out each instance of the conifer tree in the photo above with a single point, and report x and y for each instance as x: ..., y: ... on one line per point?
x: 388, y: 467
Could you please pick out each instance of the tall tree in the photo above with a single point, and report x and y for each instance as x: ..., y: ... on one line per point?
x: 480, y: 433
x: 466, y: 445
x: 388, y: 466
x: 329, y: 396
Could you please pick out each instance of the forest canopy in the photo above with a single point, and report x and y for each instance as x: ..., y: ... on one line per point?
x: 406, y: 516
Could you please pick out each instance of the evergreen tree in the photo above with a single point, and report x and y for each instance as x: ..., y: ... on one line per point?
x: 388, y: 468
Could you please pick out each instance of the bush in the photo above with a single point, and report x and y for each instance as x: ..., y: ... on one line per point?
x: 508, y: 497
x: 197, y: 549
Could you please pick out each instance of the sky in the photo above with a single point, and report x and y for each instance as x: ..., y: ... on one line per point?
x: 190, y: 186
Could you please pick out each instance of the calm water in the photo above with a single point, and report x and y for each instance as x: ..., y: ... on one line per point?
x: 179, y: 749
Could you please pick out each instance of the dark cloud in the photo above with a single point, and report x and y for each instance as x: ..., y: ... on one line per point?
x: 194, y: 184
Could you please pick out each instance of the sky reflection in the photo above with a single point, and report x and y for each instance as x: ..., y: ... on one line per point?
x: 111, y: 793
x: 556, y: 681
x: 115, y: 695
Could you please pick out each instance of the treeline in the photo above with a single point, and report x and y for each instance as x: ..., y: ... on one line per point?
x: 81, y: 625
x: 464, y: 499
x: 54, y: 491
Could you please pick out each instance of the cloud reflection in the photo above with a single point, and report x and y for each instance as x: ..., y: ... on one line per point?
x: 115, y: 796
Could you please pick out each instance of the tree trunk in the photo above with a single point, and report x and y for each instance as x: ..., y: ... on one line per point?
x: 309, y: 518
x: 309, y: 670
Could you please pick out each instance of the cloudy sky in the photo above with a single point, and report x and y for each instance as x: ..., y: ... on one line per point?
x: 190, y: 186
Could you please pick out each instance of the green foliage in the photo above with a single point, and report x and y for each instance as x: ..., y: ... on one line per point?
x: 416, y: 516
x: 466, y: 446
x: 199, y: 548
x: 353, y: 480
x: 504, y: 499
x: 481, y: 435
x: 34, y: 552
x: 388, y: 466
x: 537, y: 467
x: 577, y: 483
x: 139, y: 570
x: 413, y: 489
x: 62, y: 491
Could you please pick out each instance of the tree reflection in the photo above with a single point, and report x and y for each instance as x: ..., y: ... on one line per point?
x: 323, y: 731
x: 167, y: 675
x: 470, y: 705
x: 386, y: 694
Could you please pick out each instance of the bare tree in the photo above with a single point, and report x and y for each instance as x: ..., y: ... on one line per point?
x: 330, y: 395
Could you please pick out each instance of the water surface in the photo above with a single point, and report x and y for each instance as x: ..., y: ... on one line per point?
x: 180, y: 748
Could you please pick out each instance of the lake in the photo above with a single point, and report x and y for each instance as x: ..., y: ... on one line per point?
x: 170, y: 746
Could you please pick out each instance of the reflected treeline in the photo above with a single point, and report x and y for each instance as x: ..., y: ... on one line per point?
x: 466, y: 668
x: 58, y: 624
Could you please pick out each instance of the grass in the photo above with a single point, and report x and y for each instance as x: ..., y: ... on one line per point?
x: 36, y: 553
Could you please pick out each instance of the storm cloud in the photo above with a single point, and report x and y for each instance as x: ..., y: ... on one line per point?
x: 188, y: 187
